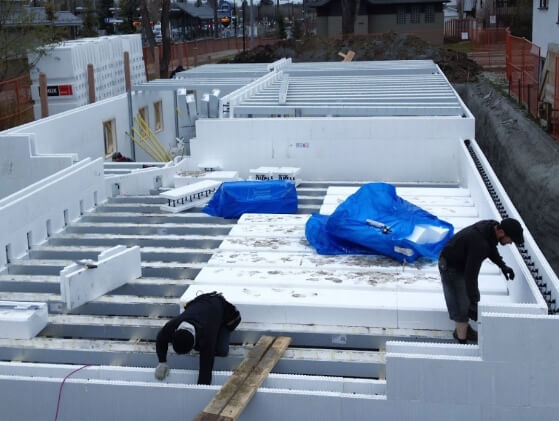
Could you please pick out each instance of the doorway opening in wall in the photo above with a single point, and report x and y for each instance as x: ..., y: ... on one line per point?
x: 109, y: 137
x: 158, y: 111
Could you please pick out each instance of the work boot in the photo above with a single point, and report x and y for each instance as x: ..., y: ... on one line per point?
x: 472, y: 334
x: 460, y: 341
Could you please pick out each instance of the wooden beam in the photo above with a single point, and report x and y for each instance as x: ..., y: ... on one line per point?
x: 245, y: 393
x: 237, y: 392
x: 236, y: 380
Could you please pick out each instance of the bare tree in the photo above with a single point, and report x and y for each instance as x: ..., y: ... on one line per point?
x: 349, y: 11
x: 166, y: 38
x: 21, y: 33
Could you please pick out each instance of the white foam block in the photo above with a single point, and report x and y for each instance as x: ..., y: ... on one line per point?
x: 264, y: 230
x: 290, y: 277
x: 115, y: 267
x: 266, y: 244
x: 189, y: 196
x: 22, y: 320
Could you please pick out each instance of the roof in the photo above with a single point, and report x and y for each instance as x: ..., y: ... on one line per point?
x: 38, y: 16
x: 202, y: 12
x: 320, y: 3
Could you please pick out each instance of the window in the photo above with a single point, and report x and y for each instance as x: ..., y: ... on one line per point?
x: 143, y: 112
x: 429, y: 13
x: 414, y: 18
x: 401, y: 15
x: 109, y: 136
x: 543, y: 4
x: 158, y: 111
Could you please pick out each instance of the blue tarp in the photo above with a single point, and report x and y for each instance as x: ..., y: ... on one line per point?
x: 375, y: 220
x: 234, y: 198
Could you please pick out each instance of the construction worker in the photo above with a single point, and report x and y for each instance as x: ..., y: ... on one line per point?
x: 205, y: 325
x: 459, y: 265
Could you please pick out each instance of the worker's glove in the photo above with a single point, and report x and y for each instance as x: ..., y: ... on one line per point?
x: 508, y: 272
x: 161, y: 371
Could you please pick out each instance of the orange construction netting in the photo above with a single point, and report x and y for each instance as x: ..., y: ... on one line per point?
x: 523, y: 71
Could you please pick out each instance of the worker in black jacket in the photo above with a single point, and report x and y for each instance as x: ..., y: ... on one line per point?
x: 205, y: 325
x: 459, y: 265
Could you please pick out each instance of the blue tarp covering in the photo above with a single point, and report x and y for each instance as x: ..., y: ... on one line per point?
x: 234, y: 198
x: 375, y: 220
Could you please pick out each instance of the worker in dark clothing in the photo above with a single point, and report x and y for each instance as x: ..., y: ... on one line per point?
x: 205, y: 325
x: 459, y: 265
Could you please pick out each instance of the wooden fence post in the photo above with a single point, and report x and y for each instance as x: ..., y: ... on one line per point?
x: 91, y: 83
x: 43, y: 94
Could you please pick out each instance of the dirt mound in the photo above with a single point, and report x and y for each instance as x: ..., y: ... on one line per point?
x: 391, y: 46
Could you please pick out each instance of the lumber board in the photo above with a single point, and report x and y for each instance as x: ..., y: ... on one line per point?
x: 237, y: 392
x: 247, y: 390
x: 239, y: 375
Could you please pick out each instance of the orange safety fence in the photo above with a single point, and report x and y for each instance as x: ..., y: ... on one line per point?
x: 196, y: 52
x: 16, y: 105
x: 523, y: 71
x: 555, y: 111
x: 489, y: 48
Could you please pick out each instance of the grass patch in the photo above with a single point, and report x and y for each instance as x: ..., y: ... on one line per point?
x: 461, y: 46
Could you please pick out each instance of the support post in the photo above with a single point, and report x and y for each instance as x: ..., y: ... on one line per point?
x: 91, y: 83
x: 43, y: 94
x: 128, y: 84
x: 156, y: 62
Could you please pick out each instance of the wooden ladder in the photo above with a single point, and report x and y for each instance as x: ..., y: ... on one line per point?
x: 237, y: 392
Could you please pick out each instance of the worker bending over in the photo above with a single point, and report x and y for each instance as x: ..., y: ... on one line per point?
x: 205, y: 325
x: 459, y: 265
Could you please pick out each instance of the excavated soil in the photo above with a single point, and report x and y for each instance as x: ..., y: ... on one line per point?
x: 390, y: 46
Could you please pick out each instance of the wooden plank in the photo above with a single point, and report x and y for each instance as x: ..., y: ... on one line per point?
x: 240, y: 374
x: 245, y: 393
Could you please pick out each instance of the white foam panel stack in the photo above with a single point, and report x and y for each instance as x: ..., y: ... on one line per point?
x: 66, y: 64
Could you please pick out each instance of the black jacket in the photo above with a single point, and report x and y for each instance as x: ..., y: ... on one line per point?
x: 207, y: 313
x: 466, y: 251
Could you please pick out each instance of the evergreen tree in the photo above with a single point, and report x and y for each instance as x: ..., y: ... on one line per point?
x: 282, y: 34
x: 89, y: 28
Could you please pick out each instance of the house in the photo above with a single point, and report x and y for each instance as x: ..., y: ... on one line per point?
x: 545, y: 24
x: 40, y: 16
x: 190, y: 21
x: 418, y: 17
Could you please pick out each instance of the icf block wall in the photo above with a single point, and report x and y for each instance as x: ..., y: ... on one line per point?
x: 19, y: 167
x: 515, y: 376
x: 412, y: 149
x: 80, y: 131
x: 29, y: 218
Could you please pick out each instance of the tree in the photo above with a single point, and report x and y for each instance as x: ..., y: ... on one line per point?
x: 128, y: 14
x: 22, y: 33
x: 166, y: 38
x: 105, y: 13
x: 349, y: 11
x: 281, y: 26
x: 89, y: 20
x: 297, y: 28
x: 213, y: 4
x: 149, y: 16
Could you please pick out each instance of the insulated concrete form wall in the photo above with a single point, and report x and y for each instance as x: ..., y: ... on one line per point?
x: 380, y: 148
x: 80, y: 131
x: 20, y: 166
x: 521, y: 292
x: 31, y: 215
x: 514, y: 376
